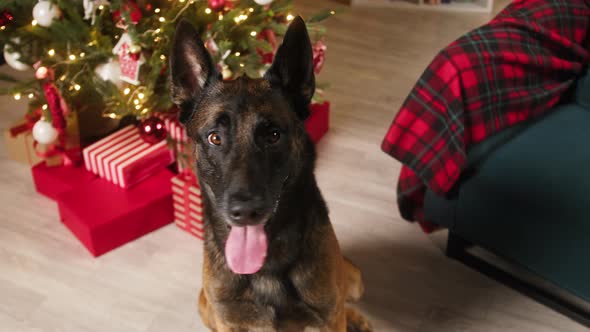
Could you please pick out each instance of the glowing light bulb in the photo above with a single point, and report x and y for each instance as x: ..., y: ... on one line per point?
x: 17, y: 96
x: 51, y: 52
x: 140, y: 95
x: 208, y: 10
x: 34, y: 22
x: 162, y: 19
x: 290, y: 17
x: 31, y: 96
x: 126, y: 91
x: 44, y: 107
x: 72, y: 57
x: 253, y: 33
x: 77, y: 87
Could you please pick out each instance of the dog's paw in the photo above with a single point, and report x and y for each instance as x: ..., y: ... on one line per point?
x: 355, y: 322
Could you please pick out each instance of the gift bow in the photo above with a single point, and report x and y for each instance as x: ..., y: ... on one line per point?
x: 30, y: 120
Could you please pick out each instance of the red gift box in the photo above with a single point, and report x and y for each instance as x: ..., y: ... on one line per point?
x: 318, y: 122
x: 124, y: 159
x: 53, y: 181
x: 103, y: 216
x: 187, y: 204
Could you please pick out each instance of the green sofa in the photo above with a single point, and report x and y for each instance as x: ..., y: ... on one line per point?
x: 525, y: 196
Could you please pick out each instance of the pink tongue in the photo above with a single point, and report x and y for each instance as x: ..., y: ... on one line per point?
x: 245, y: 249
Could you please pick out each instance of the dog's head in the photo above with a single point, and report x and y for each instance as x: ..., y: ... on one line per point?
x: 249, y: 134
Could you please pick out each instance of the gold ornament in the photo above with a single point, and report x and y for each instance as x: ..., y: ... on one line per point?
x: 226, y: 72
x: 134, y: 49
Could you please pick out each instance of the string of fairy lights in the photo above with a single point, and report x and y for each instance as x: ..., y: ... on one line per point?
x: 137, y: 95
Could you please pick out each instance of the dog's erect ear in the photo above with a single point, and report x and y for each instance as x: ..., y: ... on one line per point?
x: 191, y: 68
x: 292, y: 69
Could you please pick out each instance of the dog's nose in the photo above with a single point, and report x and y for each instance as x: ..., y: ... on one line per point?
x: 243, y: 212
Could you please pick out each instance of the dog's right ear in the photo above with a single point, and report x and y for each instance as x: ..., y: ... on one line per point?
x: 191, y: 69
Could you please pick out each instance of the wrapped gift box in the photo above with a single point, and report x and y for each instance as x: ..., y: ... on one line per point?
x: 53, y: 181
x: 104, y: 216
x: 318, y: 122
x: 19, y: 144
x: 182, y: 145
x: 124, y: 159
x: 188, y: 212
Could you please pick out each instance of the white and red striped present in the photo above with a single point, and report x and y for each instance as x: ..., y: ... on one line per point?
x: 188, y: 210
x: 177, y: 132
x: 125, y: 159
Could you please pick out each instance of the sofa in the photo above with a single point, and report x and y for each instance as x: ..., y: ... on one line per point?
x: 525, y: 197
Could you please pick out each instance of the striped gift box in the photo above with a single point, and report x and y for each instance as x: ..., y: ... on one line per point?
x: 188, y: 211
x: 125, y: 159
x: 177, y: 132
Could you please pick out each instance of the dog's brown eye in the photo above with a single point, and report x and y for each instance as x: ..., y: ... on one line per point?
x: 273, y: 136
x: 214, y: 138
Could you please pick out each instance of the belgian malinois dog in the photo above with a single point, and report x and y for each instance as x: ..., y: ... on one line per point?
x: 271, y: 259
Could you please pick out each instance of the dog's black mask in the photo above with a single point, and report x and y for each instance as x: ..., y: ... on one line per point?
x: 248, y: 133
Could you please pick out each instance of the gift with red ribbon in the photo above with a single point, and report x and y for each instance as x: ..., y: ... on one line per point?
x: 19, y: 142
x: 66, y: 149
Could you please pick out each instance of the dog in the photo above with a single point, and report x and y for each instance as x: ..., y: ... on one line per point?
x: 271, y: 258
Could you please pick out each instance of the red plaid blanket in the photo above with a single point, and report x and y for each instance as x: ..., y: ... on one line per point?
x: 516, y: 67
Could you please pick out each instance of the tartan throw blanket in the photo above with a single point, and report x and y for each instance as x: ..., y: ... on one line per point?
x: 515, y: 68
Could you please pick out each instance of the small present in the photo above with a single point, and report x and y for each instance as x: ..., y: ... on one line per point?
x: 318, y: 122
x: 103, y: 216
x: 124, y: 159
x: 53, y: 181
x: 19, y: 143
x: 66, y: 149
x: 188, y: 210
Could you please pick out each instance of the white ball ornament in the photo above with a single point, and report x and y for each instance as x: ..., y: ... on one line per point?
x: 110, y: 71
x: 44, y: 133
x: 263, y: 2
x: 12, y: 59
x: 45, y: 12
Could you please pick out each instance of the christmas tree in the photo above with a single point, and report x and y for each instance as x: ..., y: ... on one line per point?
x: 107, y: 60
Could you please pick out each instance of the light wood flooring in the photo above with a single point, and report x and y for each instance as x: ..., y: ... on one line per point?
x: 48, y: 282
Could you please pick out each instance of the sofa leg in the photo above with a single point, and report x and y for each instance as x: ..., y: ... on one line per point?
x: 457, y: 246
x: 457, y: 249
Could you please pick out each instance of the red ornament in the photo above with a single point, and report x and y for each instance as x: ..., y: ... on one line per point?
x: 152, y: 130
x: 319, y: 56
x: 216, y: 4
x: 271, y: 38
x: 134, y: 13
x: 5, y: 17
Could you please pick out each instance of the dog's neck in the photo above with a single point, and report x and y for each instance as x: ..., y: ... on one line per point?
x: 299, y: 208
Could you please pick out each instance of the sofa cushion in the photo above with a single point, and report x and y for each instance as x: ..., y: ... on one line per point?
x: 583, y: 91
x: 530, y: 199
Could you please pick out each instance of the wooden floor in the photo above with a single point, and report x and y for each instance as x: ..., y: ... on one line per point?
x: 48, y: 282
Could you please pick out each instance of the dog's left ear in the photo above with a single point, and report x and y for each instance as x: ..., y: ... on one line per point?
x: 191, y: 69
x: 292, y: 69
